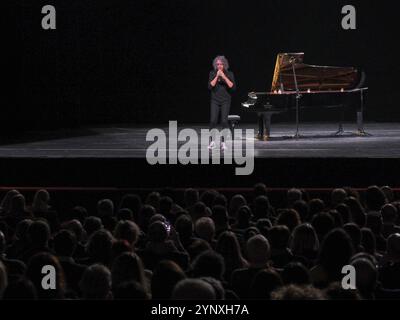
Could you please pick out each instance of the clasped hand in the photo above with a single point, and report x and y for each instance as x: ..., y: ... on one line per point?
x: 221, y: 74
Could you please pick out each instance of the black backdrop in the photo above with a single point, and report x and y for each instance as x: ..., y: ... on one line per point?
x: 147, y: 61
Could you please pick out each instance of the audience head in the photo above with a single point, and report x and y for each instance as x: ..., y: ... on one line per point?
x: 389, y: 213
x: 388, y: 191
x: 64, y: 243
x: 354, y: 233
x: 193, y: 289
x: 296, y: 292
x: 39, y: 233
x: 335, y: 291
x: 96, y: 283
x: 264, y: 226
x: 75, y: 226
x: 260, y: 189
x: 190, y: 196
x: 301, y: 207
x: 368, y: 241
x: 296, y: 273
x: 6, y: 201
x: 41, y: 201
x: 21, y: 231
x: 374, y: 198
x: 356, y: 210
x: 289, y: 218
x: 20, y: 289
x: 315, y: 206
x: 293, y: 195
x: 258, y: 251
x: 337, y: 218
x: 208, y: 197
x: 166, y: 204
x: 92, y: 224
x: 367, y: 277
x: 393, y: 246
x: 158, y: 232
x: 146, y: 213
x: 3, y: 279
x: 344, y: 212
x: 184, y: 227
x: 209, y: 264
x: 99, y: 246
x: 322, y: 223
x: 119, y: 247
x: 197, y: 247
x: 237, y: 201
x: 333, y: 259
x: 165, y: 276
x: 220, y: 200
x: 220, y: 217
x: 153, y: 199
x: 205, y: 228
x: 128, y: 231
x: 130, y: 290
x: 133, y: 203
x: 126, y: 267
x: 279, y: 237
x: 265, y: 282
x: 125, y: 214
x: 217, y: 286
x: 338, y: 196
x: 262, y: 207
x: 3, y: 243
x: 78, y: 212
x: 374, y: 222
x: 105, y: 208
x: 304, y: 240
x: 228, y: 246
x: 17, y: 203
x: 200, y: 210
x: 244, y: 216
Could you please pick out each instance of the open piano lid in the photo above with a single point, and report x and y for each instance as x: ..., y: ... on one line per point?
x: 310, y: 77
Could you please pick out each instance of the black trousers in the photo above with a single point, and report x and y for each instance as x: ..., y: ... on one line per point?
x: 216, y: 107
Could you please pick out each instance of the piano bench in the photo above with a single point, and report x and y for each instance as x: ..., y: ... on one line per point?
x: 233, y: 120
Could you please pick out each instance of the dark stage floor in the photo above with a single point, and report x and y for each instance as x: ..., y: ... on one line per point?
x: 130, y: 142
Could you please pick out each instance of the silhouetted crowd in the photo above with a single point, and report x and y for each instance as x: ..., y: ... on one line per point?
x: 206, y: 246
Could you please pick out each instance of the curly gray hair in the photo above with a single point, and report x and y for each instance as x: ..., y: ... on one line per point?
x: 223, y: 60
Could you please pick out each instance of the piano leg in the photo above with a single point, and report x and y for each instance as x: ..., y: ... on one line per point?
x: 260, y: 134
x: 360, y: 122
x: 340, y: 130
x: 360, y: 117
x: 267, y: 125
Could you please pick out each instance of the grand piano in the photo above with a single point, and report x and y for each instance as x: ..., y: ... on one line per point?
x: 296, y: 86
